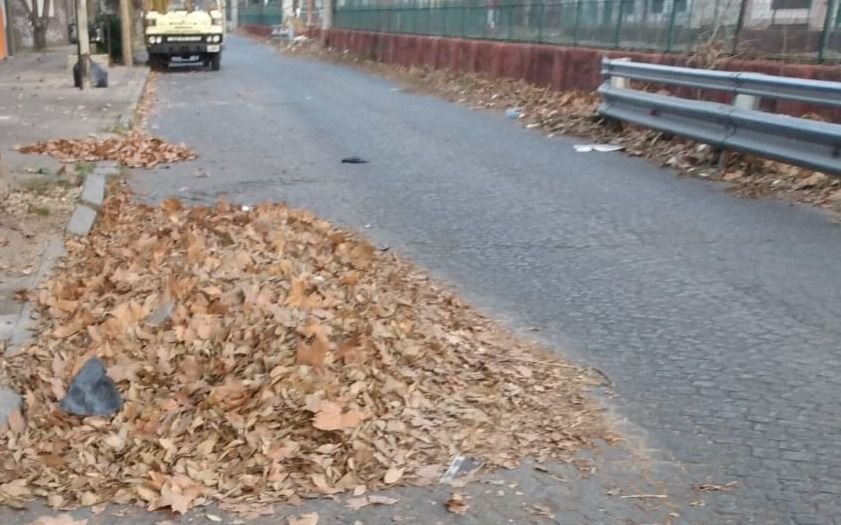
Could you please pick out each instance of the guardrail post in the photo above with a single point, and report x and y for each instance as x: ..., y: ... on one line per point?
x: 617, y: 81
x: 743, y: 101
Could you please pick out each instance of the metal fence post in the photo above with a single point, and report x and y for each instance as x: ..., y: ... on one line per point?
x: 671, y: 28
x: 617, y: 36
x: 578, y: 5
x: 510, y: 21
x: 540, y: 21
x: 831, y: 7
x: 740, y: 24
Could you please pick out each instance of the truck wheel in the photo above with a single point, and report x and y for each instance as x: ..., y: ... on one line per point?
x: 215, y: 61
x: 157, y: 63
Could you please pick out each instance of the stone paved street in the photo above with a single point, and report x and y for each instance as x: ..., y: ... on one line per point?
x: 715, y: 318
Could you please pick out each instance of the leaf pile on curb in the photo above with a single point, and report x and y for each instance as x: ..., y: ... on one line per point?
x: 135, y: 149
x: 575, y: 113
x: 263, y: 356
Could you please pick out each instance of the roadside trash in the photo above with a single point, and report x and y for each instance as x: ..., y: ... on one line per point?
x: 602, y: 148
x: 92, y: 392
x: 460, y: 466
x: 98, y: 75
x: 513, y: 113
x: 354, y: 160
x: 246, y: 208
x: 162, y: 314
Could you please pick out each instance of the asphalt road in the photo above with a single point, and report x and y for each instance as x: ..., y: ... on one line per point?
x: 715, y: 318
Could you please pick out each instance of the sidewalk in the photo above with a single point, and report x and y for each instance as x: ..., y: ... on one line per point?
x: 38, y: 102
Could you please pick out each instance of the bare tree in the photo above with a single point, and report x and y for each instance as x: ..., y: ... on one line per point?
x: 39, y: 21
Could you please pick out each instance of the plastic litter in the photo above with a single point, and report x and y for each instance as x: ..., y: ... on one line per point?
x: 602, y: 148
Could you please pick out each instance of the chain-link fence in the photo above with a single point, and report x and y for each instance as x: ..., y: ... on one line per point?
x: 259, y: 14
x: 788, y: 29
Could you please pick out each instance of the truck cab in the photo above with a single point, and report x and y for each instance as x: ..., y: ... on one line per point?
x: 185, y: 29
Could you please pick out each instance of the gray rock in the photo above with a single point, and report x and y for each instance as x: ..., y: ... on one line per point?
x: 92, y: 392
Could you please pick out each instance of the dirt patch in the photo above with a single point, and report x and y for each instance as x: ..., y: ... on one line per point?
x: 33, y: 212
x: 266, y: 356
x: 574, y: 113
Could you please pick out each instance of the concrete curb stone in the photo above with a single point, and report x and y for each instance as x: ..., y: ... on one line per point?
x: 81, y: 222
x: 126, y: 118
x: 93, y: 190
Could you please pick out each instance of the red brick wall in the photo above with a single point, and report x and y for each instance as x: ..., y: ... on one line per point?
x: 563, y: 68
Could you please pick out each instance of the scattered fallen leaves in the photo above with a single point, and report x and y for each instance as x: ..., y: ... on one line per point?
x: 457, y: 504
x: 714, y: 487
x: 358, y: 503
x: 219, y: 404
x: 542, y: 511
x: 574, y: 113
x: 135, y: 149
x: 61, y: 519
x: 303, y: 519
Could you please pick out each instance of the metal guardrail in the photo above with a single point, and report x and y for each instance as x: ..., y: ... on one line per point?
x: 819, y: 92
x: 797, y: 141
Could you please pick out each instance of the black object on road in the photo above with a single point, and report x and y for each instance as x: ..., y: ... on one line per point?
x: 98, y: 75
x: 354, y: 160
x: 92, y: 392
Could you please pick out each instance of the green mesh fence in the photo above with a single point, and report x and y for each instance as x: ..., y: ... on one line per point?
x: 796, y: 29
x: 264, y: 15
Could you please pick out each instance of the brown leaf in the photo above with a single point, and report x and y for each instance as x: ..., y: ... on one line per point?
x: 332, y: 417
x: 312, y: 354
x: 393, y: 475
x: 303, y: 519
x: 457, y: 504
x: 60, y: 519
x: 358, y: 503
x: 16, y: 422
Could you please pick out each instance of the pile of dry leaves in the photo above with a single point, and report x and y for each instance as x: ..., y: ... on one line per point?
x: 264, y: 355
x: 135, y: 149
x: 574, y: 113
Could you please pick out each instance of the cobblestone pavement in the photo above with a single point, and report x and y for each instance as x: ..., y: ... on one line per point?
x: 715, y: 318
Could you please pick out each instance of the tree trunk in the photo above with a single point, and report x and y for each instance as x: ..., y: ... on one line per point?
x: 39, y: 36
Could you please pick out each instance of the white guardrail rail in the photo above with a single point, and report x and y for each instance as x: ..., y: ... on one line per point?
x: 740, y: 127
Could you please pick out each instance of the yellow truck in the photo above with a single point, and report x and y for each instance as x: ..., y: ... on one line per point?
x: 188, y: 30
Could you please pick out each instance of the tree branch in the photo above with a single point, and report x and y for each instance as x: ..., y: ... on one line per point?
x: 45, y: 14
x: 28, y: 9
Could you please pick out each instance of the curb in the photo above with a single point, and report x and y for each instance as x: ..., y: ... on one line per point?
x: 126, y: 119
x: 80, y: 224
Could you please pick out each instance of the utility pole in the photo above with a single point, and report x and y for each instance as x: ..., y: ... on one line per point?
x: 235, y: 13
x: 310, y: 13
x: 84, y: 41
x: 125, y: 32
